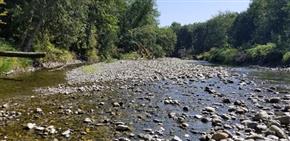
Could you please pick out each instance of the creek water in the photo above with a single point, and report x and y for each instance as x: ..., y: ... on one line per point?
x: 140, y: 105
x: 25, y: 83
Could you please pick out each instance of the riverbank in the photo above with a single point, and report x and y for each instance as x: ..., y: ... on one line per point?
x: 164, y: 99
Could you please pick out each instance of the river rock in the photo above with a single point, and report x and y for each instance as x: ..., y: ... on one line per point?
x: 275, y: 100
x: 30, y: 126
x: 88, y: 120
x: 227, y: 101
x: 39, y: 110
x: 220, y: 136
x: 176, y: 138
x: 261, y: 115
x: 279, y: 132
x: 4, y: 106
x: 210, y: 109
x: 250, y: 124
x: 123, y: 139
x: 66, y: 133
x: 51, y: 129
x: 285, y: 120
x: 122, y: 128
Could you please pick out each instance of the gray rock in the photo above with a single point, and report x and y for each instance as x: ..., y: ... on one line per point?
x: 261, y: 115
x: 5, y: 105
x: 279, y: 132
x: 275, y: 100
x: 122, y: 128
x: 123, y: 139
x: 209, y: 109
x: 30, y: 126
x: 88, y: 120
x: 39, y: 110
x: 176, y: 138
x: 285, y: 120
x: 250, y: 124
x: 66, y: 133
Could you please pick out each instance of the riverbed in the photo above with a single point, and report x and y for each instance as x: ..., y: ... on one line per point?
x: 165, y: 99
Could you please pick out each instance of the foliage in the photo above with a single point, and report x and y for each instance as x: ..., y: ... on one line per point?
x: 130, y: 56
x: 261, y: 51
x: 222, y: 55
x: 52, y: 53
x: 261, y: 34
x: 2, y: 11
x: 166, y: 39
x: 7, y: 64
x: 286, y: 58
x: 93, y: 30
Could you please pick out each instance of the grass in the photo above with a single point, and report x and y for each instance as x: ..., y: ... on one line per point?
x: 89, y: 69
x: 130, y: 56
x: 7, y: 63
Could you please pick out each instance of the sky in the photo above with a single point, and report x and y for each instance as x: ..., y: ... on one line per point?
x: 190, y: 11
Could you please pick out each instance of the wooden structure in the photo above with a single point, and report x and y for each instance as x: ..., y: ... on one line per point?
x: 22, y: 54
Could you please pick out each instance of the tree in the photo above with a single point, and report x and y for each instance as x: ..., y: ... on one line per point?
x: 217, y: 31
x: 242, y: 30
x: 269, y: 18
x: 2, y: 11
x: 166, y: 38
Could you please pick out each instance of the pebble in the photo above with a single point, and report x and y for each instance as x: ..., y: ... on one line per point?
x: 66, y: 133
x: 88, y: 120
x: 122, y: 128
x: 279, y: 132
x: 176, y: 138
x: 210, y: 109
x: 30, y: 126
x: 220, y: 136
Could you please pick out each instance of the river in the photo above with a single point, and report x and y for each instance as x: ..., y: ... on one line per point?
x: 162, y: 108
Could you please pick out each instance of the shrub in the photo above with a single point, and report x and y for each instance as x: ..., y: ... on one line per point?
x: 92, y: 55
x: 52, y: 53
x: 286, y: 58
x: 260, y: 52
x: 222, y: 55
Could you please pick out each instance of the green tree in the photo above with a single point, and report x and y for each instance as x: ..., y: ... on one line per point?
x: 2, y: 11
x: 166, y: 38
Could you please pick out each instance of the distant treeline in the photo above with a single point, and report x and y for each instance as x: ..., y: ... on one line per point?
x: 98, y: 30
x: 260, y: 35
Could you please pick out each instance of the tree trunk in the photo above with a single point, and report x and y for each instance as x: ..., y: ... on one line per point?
x: 27, y: 46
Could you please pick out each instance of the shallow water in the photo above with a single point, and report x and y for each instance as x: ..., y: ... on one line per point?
x: 140, y: 109
x: 24, y: 84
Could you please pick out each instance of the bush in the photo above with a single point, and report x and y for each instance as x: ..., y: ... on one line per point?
x: 92, y: 55
x: 52, y: 53
x: 260, y: 52
x: 222, y: 55
x: 286, y: 58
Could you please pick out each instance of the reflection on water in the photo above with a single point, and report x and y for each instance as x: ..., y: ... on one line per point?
x: 25, y: 83
x: 279, y: 79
